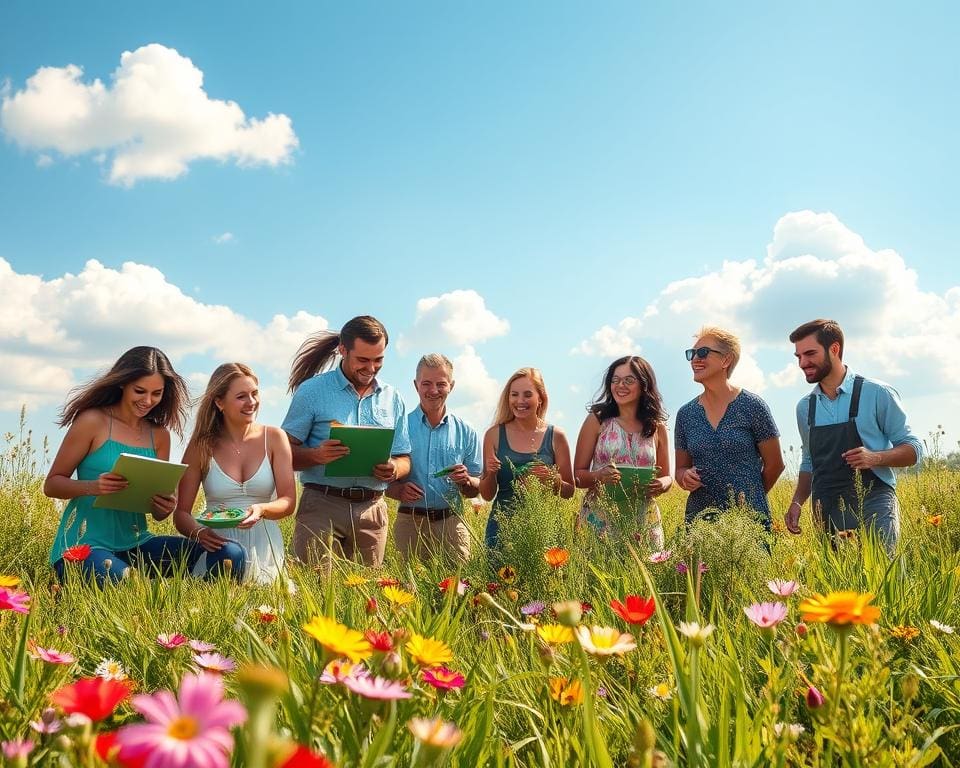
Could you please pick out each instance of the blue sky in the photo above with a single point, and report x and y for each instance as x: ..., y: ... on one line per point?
x: 510, y: 184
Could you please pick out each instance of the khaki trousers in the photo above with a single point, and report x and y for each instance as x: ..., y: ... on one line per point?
x: 418, y: 536
x: 357, y: 528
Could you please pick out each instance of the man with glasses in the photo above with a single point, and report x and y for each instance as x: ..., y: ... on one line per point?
x: 445, y: 466
x: 853, y: 432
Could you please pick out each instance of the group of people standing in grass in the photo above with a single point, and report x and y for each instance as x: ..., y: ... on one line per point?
x: 853, y: 433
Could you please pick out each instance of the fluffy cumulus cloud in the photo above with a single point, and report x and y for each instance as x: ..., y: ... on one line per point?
x: 51, y: 328
x: 815, y: 266
x: 150, y: 122
x: 455, y: 319
x: 475, y: 396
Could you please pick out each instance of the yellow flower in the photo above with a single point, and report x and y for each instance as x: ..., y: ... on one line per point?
x: 435, y: 733
x: 338, y: 639
x: 428, y: 652
x: 905, y: 633
x: 9, y: 581
x: 605, y: 641
x: 565, y: 691
x: 354, y: 580
x: 507, y: 574
x: 397, y: 596
x: 555, y: 634
x: 840, y: 609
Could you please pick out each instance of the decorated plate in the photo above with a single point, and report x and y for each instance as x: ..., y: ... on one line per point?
x: 222, y: 518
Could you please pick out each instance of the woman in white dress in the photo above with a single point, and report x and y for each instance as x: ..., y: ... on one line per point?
x: 241, y: 464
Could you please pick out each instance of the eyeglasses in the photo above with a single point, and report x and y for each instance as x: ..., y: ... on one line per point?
x: 627, y: 380
x: 702, y: 352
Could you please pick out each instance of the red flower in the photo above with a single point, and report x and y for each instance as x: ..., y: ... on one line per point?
x: 380, y: 641
x: 91, y: 696
x: 388, y: 581
x: 453, y: 583
x: 371, y: 606
x: 586, y: 607
x: 634, y: 609
x: 301, y: 757
x: 493, y: 587
x: 77, y: 554
x: 443, y: 678
x: 111, y: 753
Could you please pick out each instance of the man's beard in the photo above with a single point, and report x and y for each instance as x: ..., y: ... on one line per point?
x: 822, y: 372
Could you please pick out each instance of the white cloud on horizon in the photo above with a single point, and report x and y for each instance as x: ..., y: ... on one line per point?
x: 51, y: 328
x: 457, y: 318
x: 815, y: 266
x: 224, y: 238
x: 150, y: 122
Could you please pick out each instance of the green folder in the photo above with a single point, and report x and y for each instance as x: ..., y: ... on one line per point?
x: 146, y: 477
x: 368, y: 446
x: 632, y: 488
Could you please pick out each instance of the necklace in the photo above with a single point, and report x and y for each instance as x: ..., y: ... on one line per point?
x: 237, y: 446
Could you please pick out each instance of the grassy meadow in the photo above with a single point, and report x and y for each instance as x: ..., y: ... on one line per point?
x: 507, y: 672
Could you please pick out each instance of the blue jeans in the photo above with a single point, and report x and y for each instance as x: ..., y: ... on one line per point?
x: 158, y: 555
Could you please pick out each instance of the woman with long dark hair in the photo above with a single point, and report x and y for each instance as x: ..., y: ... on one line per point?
x: 241, y: 464
x: 626, y: 427
x: 129, y: 409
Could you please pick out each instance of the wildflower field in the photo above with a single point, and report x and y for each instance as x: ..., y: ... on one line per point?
x: 728, y: 648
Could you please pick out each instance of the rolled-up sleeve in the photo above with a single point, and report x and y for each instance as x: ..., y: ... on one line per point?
x: 893, y: 421
x: 401, y: 435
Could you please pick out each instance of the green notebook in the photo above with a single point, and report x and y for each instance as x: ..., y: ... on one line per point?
x: 368, y: 446
x: 632, y: 488
x: 147, y: 477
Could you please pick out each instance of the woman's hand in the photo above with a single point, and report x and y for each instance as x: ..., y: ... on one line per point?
x: 207, y: 538
x: 108, y: 482
x: 658, y: 486
x: 548, y: 475
x: 254, y: 515
x: 493, y: 465
x: 163, y: 506
x: 690, y: 479
x: 607, y: 475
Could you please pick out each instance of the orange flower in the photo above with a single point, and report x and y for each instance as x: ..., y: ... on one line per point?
x: 840, y: 609
x: 634, y: 609
x: 556, y: 557
x: 935, y: 520
x: 566, y: 692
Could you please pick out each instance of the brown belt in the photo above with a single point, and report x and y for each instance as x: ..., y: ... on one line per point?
x: 356, y: 493
x: 431, y: 514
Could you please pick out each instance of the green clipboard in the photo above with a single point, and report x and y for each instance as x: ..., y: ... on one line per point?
x: 146, y: 477
x: 632, y: 488
x: 368, y: 446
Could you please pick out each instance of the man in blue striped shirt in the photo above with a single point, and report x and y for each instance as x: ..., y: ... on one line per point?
x: 853, y: 431
x: 444, y: 466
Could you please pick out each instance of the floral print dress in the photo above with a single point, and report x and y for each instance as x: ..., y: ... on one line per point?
x: 617, y: 446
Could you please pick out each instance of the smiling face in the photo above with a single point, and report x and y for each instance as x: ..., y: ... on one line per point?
x: 815, y: 361
x: 433, y: 385
x: 714, y: 364
x: 524, y: 399
x: 240, y: 403
x: 142, y: 395
x: 625, y: 386
x: 361, y: 362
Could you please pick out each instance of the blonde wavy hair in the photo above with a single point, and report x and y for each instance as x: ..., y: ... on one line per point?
x: 208, y: 428
x: 504, y: 414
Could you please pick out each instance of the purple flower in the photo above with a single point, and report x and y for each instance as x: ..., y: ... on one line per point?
x: 814, y: 698
x: 533, y: 609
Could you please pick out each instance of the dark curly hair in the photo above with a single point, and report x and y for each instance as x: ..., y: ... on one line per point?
x: 650, y: 410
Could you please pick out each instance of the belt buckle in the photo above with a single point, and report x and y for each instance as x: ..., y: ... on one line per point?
x: 356, y: 493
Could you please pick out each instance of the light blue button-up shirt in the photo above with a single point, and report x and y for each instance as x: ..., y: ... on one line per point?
x: 330, y: 397
x: 881, y: 420
x: 452, y: 441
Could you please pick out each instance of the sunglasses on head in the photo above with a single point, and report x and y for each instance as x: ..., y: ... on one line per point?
x: 701, y: 352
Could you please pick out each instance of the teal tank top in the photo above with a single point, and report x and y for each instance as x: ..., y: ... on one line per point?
x: 511, y: 460
x: 111, y: 529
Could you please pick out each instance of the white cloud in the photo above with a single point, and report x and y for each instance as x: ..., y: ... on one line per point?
x: 223, y: 239
x: 44, y: 161
x: 457, y: 318
x: 815, y: 267
x: 50, y: 328
x: 475, y: 396
x: 151, y: 121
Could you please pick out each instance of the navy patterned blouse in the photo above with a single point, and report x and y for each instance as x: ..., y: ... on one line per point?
x: 726, y: 457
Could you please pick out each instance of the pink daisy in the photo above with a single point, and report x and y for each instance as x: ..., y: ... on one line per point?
x: 51, y: 655
x: 662, y: 556
x: 377, y: 688
x: 339, y: 670
x: 14, y: 600
x: 766, y: 615
x: 18, y: 749
x: 214, y: 662
x: 175, y: 640
x: 191, y: 730
x: 200, y: 646
x: 782, y: 588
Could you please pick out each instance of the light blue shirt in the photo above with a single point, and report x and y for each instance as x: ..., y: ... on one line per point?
x: 330, y: 397
x: 452, y: 441
x: 881, y: 420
